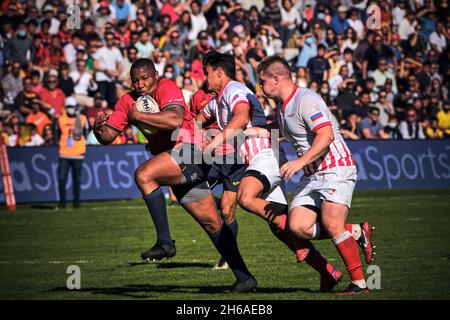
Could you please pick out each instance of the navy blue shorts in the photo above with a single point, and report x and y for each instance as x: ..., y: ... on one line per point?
x: 230, y: 174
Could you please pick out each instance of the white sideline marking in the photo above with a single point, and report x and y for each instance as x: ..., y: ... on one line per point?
x: 45, y: 262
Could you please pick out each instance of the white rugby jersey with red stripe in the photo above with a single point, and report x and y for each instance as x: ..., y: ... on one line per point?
x: 231, y: 95
x: 299, y: 117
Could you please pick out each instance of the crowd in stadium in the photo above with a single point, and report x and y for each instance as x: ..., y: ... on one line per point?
x: 381, y: 82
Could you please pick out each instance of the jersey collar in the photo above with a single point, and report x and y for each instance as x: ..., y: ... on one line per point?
x: 219, y: 96
x: 283, y: 106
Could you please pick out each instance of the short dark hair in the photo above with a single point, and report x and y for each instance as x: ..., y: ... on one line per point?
x: 143, y: 63
x: 274, y: 65
x: 372, y: 109
x: 225, y: 61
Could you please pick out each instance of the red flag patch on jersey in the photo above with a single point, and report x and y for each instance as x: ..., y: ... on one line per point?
x: 316, y: 116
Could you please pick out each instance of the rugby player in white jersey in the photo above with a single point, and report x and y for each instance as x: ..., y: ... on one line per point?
x: 236, y: 108
x: 330, y: 172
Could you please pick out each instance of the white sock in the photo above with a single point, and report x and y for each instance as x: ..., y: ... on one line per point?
x: 360, y: 283
x: 316, y: 231
x: 356, y: 231
x: 342, y: 237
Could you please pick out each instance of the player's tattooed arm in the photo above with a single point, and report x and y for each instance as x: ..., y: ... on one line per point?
x: 104, y: 133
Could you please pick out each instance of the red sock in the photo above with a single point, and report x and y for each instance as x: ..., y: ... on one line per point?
x: 348, y: 249
x: 324, y: 234
x: 300, y: 247
x: 318, y: 263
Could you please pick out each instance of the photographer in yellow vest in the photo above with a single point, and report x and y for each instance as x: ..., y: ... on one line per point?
x: 72, y: 148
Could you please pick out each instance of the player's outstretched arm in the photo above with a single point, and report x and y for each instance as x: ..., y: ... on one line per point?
x: 104, y: 133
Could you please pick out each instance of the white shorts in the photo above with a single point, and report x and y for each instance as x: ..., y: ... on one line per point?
x: 266, y: 163
x: 335, y: 185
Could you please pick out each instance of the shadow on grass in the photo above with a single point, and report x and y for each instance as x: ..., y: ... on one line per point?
x: 171, y: 265
x: 154, y: 291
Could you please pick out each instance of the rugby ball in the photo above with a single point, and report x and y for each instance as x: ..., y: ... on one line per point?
x: 147, y: 104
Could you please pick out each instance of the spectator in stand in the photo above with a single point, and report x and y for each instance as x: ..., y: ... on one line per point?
x: 144, y: 45
x: 52, y: 97
x: 12, y: 83
x: 100, y: 105
x: 82, y: 79
x: 385, y: 107
x: 373, y: 54
x: 438, y: 39
x: 23, y: 101
x: 108, y: 65
x: 122, y: 9
x: 18, y: 48
x: 392, y: 128
x: 382, y: 73
x: 35, y: 140
x: 349, y: 129
x: 37, y: 117
x: 48, y: 135
x: 339, y: 22
x: 433, y: 131
x: 370, y: 128
x: 198, y: 20
x: 411, y: 127
x: 319, y: 66
x: 66, y: 83
x: 444, y: 119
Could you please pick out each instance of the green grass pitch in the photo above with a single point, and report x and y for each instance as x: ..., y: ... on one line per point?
x: 105, y: 240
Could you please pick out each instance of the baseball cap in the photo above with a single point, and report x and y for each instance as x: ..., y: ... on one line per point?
x: 342, y: 8
x: 49, y: 7
x: 71, y: 102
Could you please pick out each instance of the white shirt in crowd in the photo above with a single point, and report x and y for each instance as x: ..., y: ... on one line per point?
x: 358, y: 26
x: 403, y: 128
x: 144, y: 49
x: 81, y: 82
x: 108, y: 59
x: 199, y: 24
x: 405, y: 28
x: 438, y: 40
x: 293, y: 17
x: 35, y: 141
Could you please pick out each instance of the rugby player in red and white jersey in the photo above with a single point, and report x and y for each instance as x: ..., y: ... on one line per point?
x: 175, y: 163
x: 330, y: 172
x: 237, y: 108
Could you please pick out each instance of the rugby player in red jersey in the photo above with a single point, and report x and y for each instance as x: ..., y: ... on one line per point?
x: 175, y: 162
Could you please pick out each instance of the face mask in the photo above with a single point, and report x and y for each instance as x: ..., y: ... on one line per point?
x: 392, y: 125
x: 309, y: 41
x: 324, y: 91
x: 321, y: 16
x: 168, y: 75
x: 71, y: 111
x: 22, y: 33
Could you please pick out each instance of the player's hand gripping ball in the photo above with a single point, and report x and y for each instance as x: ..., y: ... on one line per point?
x: 147, y: 104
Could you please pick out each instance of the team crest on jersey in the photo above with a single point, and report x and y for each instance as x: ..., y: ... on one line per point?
x: 316, y: 116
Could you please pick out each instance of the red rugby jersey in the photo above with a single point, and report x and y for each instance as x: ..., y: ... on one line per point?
x: 167, y: 95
